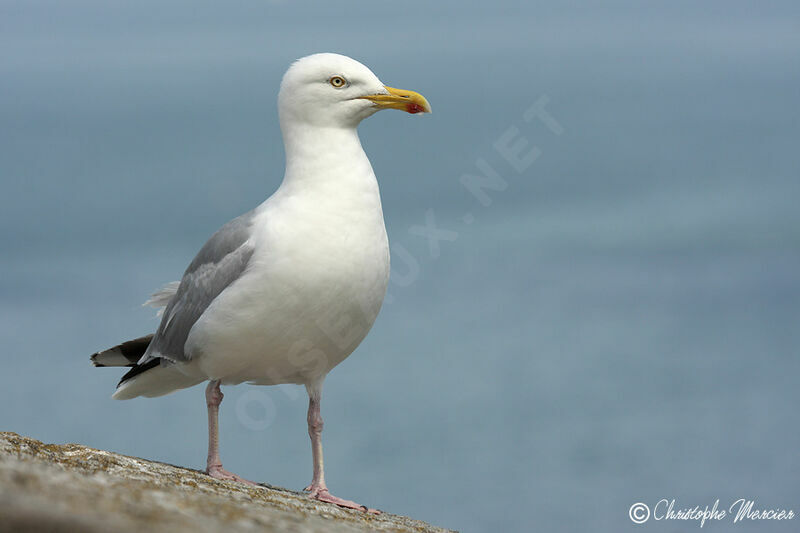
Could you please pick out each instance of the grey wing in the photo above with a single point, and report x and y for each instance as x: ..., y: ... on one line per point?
x: 219, y: 263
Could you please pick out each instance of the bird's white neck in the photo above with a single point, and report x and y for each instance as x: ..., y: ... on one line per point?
x: 325, y: 159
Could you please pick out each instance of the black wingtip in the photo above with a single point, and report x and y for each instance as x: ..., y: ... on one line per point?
x: 138, y: 369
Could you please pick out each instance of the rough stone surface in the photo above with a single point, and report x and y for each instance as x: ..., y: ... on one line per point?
x: 60, y: 488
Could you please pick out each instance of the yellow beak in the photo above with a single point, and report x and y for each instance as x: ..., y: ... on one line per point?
x: 407, y: 101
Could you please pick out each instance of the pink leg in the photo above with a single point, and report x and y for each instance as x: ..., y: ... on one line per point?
x: 214, y: 464
x: 318, y: 489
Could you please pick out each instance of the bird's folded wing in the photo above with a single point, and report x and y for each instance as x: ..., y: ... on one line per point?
x: 220, y: 262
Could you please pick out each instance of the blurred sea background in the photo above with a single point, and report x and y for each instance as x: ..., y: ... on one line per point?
x: 620, y: 324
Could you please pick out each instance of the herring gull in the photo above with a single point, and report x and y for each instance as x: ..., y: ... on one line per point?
x: 285, y: 292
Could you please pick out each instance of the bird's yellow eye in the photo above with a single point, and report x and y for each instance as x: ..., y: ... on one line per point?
x: 338, y: 82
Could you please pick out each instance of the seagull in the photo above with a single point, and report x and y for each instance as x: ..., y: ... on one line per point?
x: 286, y: 291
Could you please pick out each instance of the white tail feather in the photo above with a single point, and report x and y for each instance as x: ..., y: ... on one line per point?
x: 157, y: 381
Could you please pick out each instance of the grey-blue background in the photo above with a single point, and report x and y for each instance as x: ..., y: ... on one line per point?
x: 619, y: 325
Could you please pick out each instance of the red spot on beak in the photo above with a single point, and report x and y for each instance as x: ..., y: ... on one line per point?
x: 413, y: 108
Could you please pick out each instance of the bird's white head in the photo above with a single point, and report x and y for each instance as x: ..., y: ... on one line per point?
x: 332, y: 90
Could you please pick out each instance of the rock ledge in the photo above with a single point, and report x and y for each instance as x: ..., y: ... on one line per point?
x: 59, y: 488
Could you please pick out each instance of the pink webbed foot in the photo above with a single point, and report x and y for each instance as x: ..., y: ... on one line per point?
x: 217, y: 472
x: 323, y: 494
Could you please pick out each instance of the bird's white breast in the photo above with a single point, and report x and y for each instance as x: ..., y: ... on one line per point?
x: 311, y: 291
